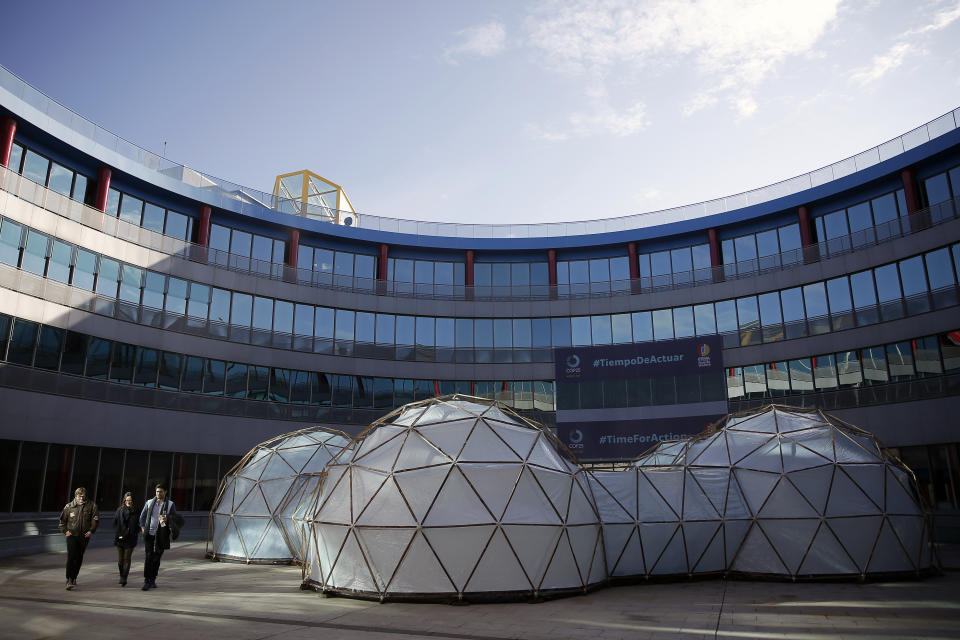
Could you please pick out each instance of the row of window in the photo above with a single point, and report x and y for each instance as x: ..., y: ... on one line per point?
x: 339, y: 267
x: 56, y: 177
x: 747, y: 253
x: 244, y: 250
x: 641, y: 392
x: 253, y: 252
x: 37, y: 476
x: 28, y: 343
x: 910, y: 286
x: 860, y: 217
x: 149, y: 215
x: 894, y: 362
x: 687, y: 263
x: 43, y: 171
x: 942, y: 186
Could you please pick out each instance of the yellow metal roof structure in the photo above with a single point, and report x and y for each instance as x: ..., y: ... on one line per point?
x: 304, y: 193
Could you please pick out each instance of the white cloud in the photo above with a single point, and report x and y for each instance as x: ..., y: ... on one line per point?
x: 905, y: 46
x: 600, y: 118
x: 734, y: 44
x: 941, y: 20
x: 882, y: 64
x: 484, y: 40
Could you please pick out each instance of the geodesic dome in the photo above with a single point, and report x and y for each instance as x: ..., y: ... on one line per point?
x: 778, y: 491
x: 251, y: 520
x: 454, y: 497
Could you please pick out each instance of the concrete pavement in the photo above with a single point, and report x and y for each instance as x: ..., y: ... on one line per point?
x: 201, y: 599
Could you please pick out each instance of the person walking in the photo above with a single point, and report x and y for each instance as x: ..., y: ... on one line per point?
x: 158, y: 517
x: 78, y: 521
x: 126, y: 531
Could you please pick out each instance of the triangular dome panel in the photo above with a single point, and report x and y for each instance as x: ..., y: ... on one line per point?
x: 498, y: 569
x: 459, y: 549
x: 534, y: 546
x: 383, y: 549
x: 562, y: 571
x: 386, y: 508
x: 495, y: 482
x: 417, y: 453
x: 529, y: 505
x: 457, y: 504
x: 826, y: 556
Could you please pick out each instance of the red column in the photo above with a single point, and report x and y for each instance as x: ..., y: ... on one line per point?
x: 806, y: 227
x: 552, y: 266
x: 634, y: 266
x: 293, y: 248
x: 910, y: 192
x: 203, y: 233
x: 715, y: 260
x: 468, y: 270
x: 8, y: 128
x: 384, y: 261
x: 103, y: 188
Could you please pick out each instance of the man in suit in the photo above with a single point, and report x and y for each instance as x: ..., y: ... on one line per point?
x: 158, y: 517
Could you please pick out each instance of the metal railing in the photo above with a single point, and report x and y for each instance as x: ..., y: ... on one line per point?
x: 25, y: 378
x: 938, y: 386
x: 21, y: 187
x: 59, y: 293
x: 235, y: 197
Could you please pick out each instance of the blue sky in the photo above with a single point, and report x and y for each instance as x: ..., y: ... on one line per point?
x: 498, y: 111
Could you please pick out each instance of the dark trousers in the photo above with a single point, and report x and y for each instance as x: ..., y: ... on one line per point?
x: 151, y: 562
x: 124, y: 556
x: 76, y: 545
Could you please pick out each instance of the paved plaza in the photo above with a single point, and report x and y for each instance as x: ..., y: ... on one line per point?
x: 196, y: 598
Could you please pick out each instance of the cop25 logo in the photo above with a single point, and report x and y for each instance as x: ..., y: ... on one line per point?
x: 575, y: 439
x: 703, y: 361
x: 573, y: 366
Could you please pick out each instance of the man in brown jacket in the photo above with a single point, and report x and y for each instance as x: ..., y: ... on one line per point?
x: 78, y: 521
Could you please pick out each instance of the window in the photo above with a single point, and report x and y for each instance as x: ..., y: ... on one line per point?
x: 35, y: 167
x: 61, y: 179
x: 60, y: 258
x: 683, y: 322
x: 705, y: 320
x: 10, y: 233
x: 23, y: 339
x: 35, y: 253
x: 49, y: 345
x: 131, y: 209
x: 153, y: 217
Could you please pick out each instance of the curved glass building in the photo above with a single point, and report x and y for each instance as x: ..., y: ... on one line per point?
x: 156, y: 322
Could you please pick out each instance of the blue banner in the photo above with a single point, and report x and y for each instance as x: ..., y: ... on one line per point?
x: 645, y: 360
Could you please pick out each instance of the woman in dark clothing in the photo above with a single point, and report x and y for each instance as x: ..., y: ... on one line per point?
x: 126, y: 527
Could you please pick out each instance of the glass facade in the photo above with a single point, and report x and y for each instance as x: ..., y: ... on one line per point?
x: 245, y: 251
x: 36, y: 262
x: 861, y: 224
x: 29, y: 344
x: 895, y: 362
x: 72, y: 184
x: 39, y: 476
x: 911, y: 286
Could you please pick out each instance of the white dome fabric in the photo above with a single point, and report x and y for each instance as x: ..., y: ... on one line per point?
x: 251, y: 517
x: 776, y: 492
x: 454, y: 498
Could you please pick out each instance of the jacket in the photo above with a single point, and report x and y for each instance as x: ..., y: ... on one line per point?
x: 78, y: 518
x: 162, y: 538
x: 126, y: 528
